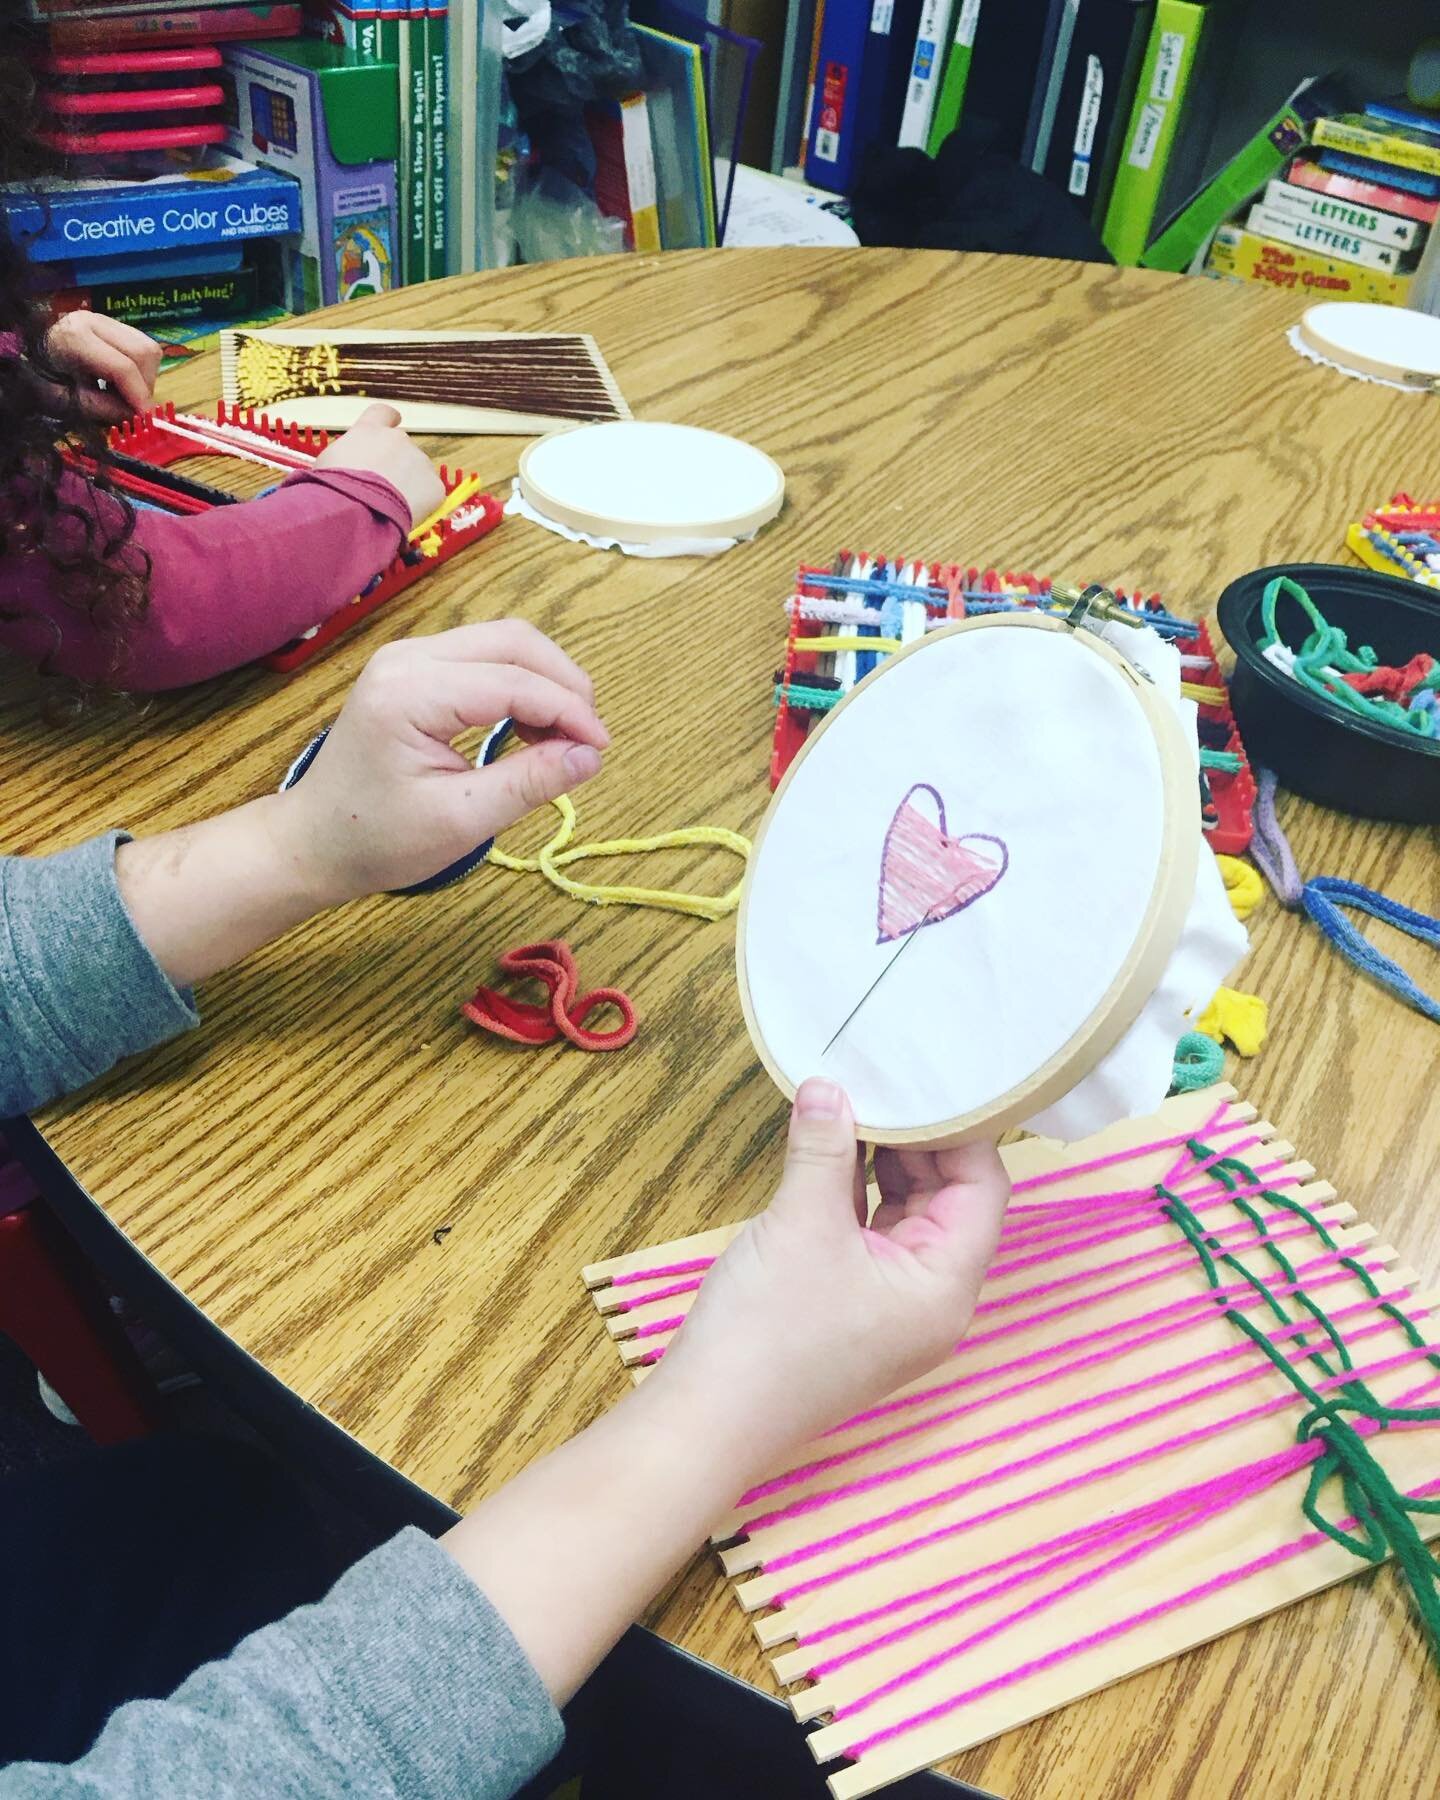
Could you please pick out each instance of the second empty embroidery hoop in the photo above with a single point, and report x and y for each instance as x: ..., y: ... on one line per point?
x: 1385, y: 343
x: 1033, y: 733
x: 642, y: 482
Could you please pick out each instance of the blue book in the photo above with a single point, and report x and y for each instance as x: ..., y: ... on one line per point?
x: 226, y: 202
x: 1400, y: 112
x: 1365, y: 168
x: 860, y: 83
x: 114, y: 271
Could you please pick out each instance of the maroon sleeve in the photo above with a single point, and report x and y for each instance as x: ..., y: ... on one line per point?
x: 226, y: 586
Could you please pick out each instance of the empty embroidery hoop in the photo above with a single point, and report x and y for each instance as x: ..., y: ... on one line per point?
x: 1389, y: 343
x: 648, y: 483
x: 1097, y: 805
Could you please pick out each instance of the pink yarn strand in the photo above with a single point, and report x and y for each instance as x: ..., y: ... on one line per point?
x: 1107, y: 1397
x: 1256, y: 1565
x: 866, y: 1484
x: 928, y: 1502
x: 664, y: 1271
x: 1211, y: 1128
x: 1184, y: 1314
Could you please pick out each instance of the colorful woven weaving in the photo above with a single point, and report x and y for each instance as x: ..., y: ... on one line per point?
x: 1194, y: 1391
x: 1400, y: 538
x: 845, y: 620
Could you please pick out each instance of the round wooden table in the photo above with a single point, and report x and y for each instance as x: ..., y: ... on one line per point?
x: 290, y: 1166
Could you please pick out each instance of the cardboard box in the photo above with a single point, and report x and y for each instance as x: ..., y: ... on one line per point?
x: 333, y: 125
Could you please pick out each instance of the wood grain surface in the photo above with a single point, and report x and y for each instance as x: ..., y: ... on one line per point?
x: 288, y: 1165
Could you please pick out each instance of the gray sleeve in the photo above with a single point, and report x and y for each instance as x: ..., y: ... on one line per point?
x: 78, y: 987
x: 403, y: 1684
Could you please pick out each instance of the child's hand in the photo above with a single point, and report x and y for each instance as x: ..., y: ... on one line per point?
x: 809, y: 1316
x: 376, y: 445
x: 388, y: 802
x: 94, y: 348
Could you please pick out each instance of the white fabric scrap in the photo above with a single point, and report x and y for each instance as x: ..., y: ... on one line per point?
x: 1312, y: 355
x: 518, y: 506
x: 1135, y: 1076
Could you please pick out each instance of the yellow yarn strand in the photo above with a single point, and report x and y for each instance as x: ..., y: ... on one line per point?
x: 1243, y: 885
x: 557, y: 854
x: 880, y: 646
x: 1203, y: 696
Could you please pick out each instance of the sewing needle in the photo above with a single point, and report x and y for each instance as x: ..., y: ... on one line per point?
x: 879, y: 978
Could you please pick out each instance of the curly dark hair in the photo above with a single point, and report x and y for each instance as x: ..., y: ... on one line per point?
x: 97, y: 569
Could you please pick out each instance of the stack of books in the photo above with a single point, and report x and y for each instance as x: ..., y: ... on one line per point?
x: 1348, y: 218
x: 180, y: 253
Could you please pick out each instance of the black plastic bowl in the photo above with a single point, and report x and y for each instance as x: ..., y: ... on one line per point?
x: 1315, y: 747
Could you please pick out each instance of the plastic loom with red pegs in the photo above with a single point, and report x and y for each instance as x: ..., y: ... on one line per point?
x: 165, y: 436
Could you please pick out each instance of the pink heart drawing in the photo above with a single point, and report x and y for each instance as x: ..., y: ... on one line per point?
x: 925, y: 874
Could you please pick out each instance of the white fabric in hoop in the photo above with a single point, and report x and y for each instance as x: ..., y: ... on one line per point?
x: 1029, y: 743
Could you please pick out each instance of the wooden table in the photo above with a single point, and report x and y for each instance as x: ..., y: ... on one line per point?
x: 289, y: 1165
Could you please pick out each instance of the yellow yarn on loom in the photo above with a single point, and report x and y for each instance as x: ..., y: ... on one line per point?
x: 1236, y: 1018
x: 1243, y: 885
x: 555, y: 855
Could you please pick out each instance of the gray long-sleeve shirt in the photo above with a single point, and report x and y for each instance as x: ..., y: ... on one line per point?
x: 404, y: 1681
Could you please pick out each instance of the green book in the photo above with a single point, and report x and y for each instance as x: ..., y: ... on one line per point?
x: 414, y: 140
x: 1277, y: 140
x: 437, y: 109
x: 951, y: 98
x: 1154, y: 120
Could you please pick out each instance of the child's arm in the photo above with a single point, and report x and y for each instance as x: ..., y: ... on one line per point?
x: 412, y: 1680
x: 99, y: 946
x: 228, y: 586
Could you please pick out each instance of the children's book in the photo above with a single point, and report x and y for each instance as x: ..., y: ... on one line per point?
x: 1155, y: 116
x: 1323, y: 239
x: 437, y: 121
x: 1312, y: 178
x: 1237, y: 252
x: 1369, y: 222
x: 1378, y: 141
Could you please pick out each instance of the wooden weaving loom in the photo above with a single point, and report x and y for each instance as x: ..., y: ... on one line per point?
x: 521, y: 382
x: 1184, y: 1332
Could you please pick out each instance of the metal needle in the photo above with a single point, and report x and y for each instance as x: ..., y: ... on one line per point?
x: 878, y: 979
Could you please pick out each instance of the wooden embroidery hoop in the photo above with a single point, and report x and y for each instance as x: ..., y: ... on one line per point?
x: 552, y: 481
x: 1388, y: 342
x: 1157, y: 932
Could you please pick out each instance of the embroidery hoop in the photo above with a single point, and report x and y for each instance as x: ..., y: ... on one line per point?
x: 1383, y: 343
x: 687, y: 483
x: 1158, y: 927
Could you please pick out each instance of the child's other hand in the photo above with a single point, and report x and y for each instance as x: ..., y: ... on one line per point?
x: 388, y: 802
x: 376, y: 445
x: 810, y: 1316
x: 94, y: 348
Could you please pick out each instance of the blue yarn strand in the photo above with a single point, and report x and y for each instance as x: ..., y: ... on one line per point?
x: 1323, y: 897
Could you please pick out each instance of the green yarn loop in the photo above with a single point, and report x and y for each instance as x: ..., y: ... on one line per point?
x: 1326, y: 650
x: 1199, y: 1063
x: 1384, y: 1516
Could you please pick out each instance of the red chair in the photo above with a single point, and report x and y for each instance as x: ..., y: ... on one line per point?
x: 54, y: 1309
